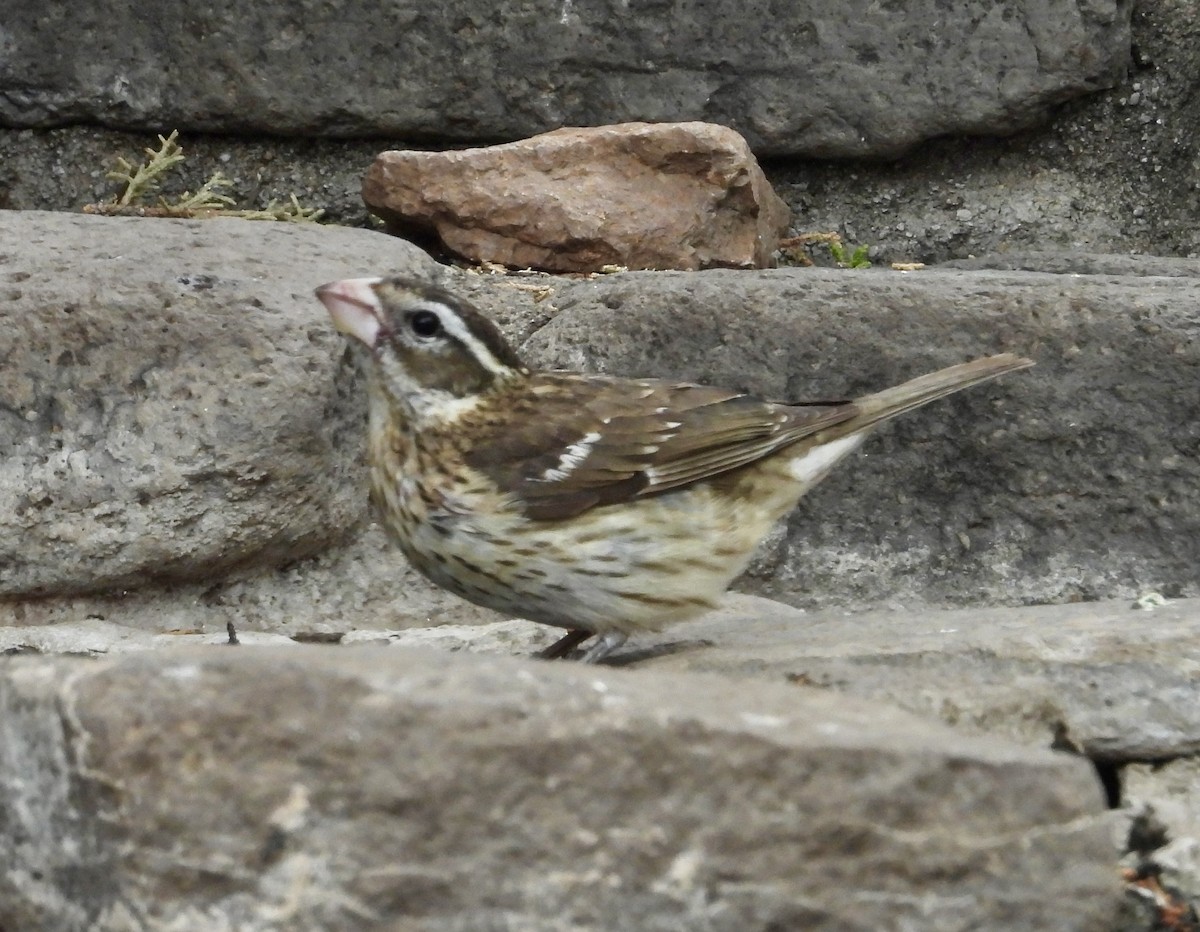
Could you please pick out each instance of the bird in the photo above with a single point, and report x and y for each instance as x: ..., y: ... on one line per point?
x: 603, y: 505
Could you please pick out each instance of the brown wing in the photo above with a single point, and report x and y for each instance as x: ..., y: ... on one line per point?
x: 582, y: 441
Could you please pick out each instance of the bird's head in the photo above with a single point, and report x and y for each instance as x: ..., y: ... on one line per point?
x: 430, y: 353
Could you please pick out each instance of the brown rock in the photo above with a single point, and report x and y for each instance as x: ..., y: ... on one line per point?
x: 639, y: 195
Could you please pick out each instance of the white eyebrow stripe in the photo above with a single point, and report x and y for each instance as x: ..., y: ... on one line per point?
x: 454, y: 326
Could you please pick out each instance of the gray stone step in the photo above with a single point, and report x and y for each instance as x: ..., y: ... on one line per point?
x: 338, y: 788
x: 175, y: 411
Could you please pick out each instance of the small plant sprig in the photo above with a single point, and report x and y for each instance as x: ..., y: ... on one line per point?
x: 143, y: 180
x: 795, y: 249
x: 849, y: 260
x: 206, y: 199
x: 291, y: 211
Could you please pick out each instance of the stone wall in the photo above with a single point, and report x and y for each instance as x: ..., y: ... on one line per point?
x: 993, y: 617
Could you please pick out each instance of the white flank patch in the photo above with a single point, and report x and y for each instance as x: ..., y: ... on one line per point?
x: 571, y: 457
x: 810, y: 466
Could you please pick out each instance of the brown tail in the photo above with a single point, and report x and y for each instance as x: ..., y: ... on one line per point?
x: 884, y: 405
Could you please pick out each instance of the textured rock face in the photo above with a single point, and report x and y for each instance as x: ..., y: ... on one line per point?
x: 168, y: 400
x: 254, y: 787
x: 1108, y: 680
x: 642, y: 196
x: 327, y: 788
x: 857, y: 79
x: 239, y: 446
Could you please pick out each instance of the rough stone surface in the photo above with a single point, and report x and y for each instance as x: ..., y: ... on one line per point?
x: 1078, y: 479
x: 332, y: 788
x: 361, y: 581
x: 859, y: 79
x: 1117, y: 171
x: 1107, y: 680
x: 1073, y: 262
x: 1171, y: 790
x: 1118, y: 684
x: 168, y: 400
x: 94, y: 635
x: 638, y: 195
x: 993, y: 496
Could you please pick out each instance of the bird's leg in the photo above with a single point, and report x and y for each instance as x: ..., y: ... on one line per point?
x: 565, y: 644
x: 603, y: 647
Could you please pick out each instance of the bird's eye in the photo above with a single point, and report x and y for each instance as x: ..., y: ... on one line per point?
x: 425, y: 324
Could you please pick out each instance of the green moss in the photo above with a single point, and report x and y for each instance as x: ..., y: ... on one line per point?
x: 797, y: 250
x: 849, y: 260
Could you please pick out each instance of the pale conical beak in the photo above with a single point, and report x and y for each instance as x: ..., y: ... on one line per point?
x: 354, y: 307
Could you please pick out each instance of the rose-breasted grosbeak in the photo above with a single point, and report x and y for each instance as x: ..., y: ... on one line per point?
x: 603, y: 505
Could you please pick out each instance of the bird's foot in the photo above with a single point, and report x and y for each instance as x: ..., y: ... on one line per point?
x: 604, y: 645
x: 565, y: 644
